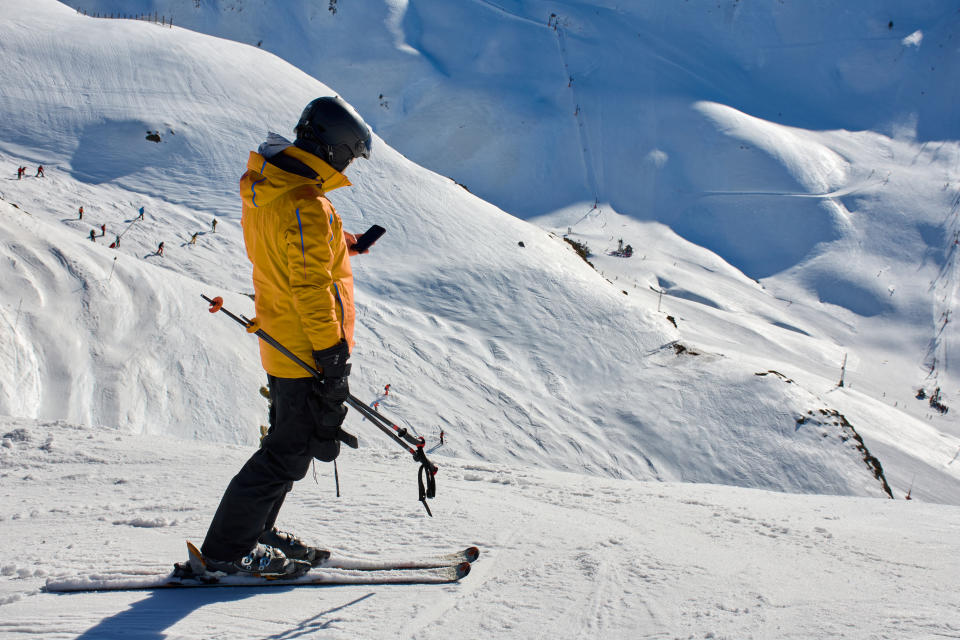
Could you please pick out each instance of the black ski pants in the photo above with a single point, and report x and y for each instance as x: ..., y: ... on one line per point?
x: 254, y: 496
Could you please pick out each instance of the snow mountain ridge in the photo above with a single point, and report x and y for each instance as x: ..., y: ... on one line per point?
x: 519, y: 353
x: 127, y: 406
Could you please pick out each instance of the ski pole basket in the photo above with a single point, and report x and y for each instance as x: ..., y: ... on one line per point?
x: 426, y: 476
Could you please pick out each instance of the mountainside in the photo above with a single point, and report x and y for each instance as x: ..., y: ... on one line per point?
x: 517, y: 352
x: 592, y: 412
x: 481, y: 109
x: 809, y: 151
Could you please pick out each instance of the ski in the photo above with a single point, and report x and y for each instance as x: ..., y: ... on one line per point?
x: 336, y: 569
x: 342, y: 561
x: 184, y: 578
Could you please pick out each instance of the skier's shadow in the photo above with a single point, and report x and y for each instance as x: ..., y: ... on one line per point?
x: 151, y: 617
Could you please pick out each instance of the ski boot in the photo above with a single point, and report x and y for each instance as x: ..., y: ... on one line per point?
x: 293, y: 547
x: 263, y: 561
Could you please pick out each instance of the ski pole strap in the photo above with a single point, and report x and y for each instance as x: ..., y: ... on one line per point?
x: 423, y: 492
x: 429, y: 489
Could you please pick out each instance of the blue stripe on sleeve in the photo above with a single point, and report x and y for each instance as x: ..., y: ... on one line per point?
x: 303, y: 250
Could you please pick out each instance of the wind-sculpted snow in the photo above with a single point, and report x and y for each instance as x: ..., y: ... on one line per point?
x: 577, y: 379
x: 796, y: 144
x: 126, y: 407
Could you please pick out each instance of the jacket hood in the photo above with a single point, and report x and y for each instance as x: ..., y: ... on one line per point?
x: 278, y: 167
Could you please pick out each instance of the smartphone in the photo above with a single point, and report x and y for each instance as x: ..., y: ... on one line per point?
x: 370, y: 236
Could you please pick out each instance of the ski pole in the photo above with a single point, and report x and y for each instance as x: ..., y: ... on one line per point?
x: 426, y: 480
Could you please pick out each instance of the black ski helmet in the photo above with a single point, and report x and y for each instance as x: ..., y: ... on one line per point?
x: 332, y: 130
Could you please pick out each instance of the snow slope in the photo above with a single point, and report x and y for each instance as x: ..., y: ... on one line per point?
x: 128, y: 406
x: 520, y: 353
x: 563, y: 555
x: 478, y: 89
x: 811, y: 149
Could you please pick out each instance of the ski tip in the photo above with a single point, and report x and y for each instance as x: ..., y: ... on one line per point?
x: 471, y: 554
x: 463, y: 569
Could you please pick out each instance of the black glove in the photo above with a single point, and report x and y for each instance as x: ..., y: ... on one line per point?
x: 329, y: 411
x: 334, y: 370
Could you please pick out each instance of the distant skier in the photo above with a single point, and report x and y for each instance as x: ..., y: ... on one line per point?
x: 103, y: 229
x: 295, y: 240
x: 140, y: 217
x: 441, y: 436
x: 386, y: 390
x: 160, y: 250
x: 116, y: 243
x: 20, y: 171
x: 39, y: 172
x: 93, y: 235
x: 214, y: 225
x: 81, y: 214
x: 193, y: 238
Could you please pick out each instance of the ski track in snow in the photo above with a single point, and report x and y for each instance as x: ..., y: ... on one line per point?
x: 561, y: 555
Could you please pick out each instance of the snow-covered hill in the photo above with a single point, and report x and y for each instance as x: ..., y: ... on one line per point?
x: 702, y: 119
x: 795, y: 142
x: 479, y: 89
x: 534, y: 363
x: 518, y: 352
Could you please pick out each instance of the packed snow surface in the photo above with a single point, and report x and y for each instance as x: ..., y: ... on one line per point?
x: 625, y: 440
x: 562, y: 555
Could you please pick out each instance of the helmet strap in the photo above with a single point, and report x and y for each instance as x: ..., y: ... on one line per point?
x: 320, y: 150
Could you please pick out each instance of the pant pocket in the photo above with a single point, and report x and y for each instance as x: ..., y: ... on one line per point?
x: 324, y: 445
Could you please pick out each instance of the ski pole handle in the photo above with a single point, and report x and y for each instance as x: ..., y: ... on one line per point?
x: 216, y: 304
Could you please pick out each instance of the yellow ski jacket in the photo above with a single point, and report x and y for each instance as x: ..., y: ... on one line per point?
x: 301, y: 268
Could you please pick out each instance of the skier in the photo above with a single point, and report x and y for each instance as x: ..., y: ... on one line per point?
x: 103, y: 229
x: 81, y: 214
x: 441, y: 436
x: 20, y: 173
x: 386, y: 390
x: 39, y: 172
x: 193, y: 238
x: 214, y: 225
x: 93, y: 235
x: 116, y: 243
x: 160, y: 250
x: 140, y: 217
x: 306, y: 303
